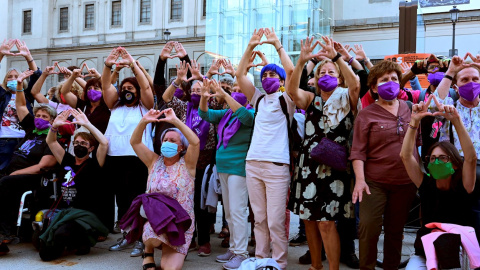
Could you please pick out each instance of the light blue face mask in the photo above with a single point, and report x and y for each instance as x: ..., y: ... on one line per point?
x: 12, y: 85
x: 169, y: 149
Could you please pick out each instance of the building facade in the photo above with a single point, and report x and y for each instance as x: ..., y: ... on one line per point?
x: 73, y: 32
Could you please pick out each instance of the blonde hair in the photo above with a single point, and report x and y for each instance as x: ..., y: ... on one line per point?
x: 77, y: 90
x: 342, y: 82
x: 5, y: 80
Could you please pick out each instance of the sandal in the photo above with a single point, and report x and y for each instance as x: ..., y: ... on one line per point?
x: 148, y: 265
x: 224, y: 233
x: 313, y: 268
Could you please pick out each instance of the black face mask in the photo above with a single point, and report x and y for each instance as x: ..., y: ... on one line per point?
x: 128, y: 97
x: 80, y: 151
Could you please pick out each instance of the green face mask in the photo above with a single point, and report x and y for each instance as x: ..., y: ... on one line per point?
x: 440, y: 169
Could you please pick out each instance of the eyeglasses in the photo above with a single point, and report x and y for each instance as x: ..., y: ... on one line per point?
x: 442, y: 158
x: 399, y: 125
x: 82, y: 143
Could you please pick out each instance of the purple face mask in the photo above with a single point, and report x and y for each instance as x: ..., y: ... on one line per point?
x: 327, y: 83
x: 240, y: 98
x: 195, y: 99
x: 435, y: 78
x: 469, y: 91
x: 94, y: 95
x: 41, y: 124
x: 270, y: 85
x: 388, y: 91
x: 179, y: 93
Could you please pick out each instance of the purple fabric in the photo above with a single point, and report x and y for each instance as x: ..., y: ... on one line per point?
x: 165, y: 215
x: 226, y: 132
x: 240, y: 98
x: 330, y: 153
x: 435, y: 78
x: 389, y: 90
x: 94, y: 95
x: 41, y: 124
x: 469, y: 91
x: 179, y: 93
x: 196, y: 123
x: 327, y: 83
x: 270, y: 85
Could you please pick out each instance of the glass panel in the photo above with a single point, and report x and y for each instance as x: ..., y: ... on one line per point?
x: 176, y: 10
x: 89, y: 16
x: 230, y: 24
x: 64, y: 18
x: 117, y: 13
x: 27, y: 21
x: 145, y: 11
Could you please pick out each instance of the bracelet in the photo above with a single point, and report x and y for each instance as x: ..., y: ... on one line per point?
x: 279, y: 48
x: 448, y: 77
x: 412, y: 126
x: 19, y: 90
x: 29, y: 61
x: 53, y: 129
x: 204, y: 77
x: 175, y: 85
x: 314, y: 61
x: 350, y: 61
x: 110, y: 67
x: 334, y: 59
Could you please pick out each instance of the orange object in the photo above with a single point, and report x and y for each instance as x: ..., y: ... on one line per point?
x: 410, y: 58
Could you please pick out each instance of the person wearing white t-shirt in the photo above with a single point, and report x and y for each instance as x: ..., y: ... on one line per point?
x: 268, y: 158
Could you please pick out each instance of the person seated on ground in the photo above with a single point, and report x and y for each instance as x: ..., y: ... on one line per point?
x: 31, y: 157
x: 172, y: 174
x: 444, y: 192
x: 80, y: 191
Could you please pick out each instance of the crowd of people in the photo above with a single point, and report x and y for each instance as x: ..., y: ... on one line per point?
x: 334, y: 139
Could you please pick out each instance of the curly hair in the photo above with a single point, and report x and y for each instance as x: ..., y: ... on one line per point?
x: 381, y: 68
x: 77, y: 90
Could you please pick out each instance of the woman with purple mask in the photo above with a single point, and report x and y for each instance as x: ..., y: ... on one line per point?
x: 187, y: 111
x: 329, y: 114
x: 466, y: 79
x: 234, y: 130
x: 377, y: 140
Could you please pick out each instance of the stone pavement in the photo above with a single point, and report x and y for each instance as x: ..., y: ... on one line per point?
x: 24, y: 256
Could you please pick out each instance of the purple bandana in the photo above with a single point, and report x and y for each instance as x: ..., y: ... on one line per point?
x: 197, y: 124
x: 226, y: 132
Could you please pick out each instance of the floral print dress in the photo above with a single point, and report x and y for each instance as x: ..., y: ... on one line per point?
x: 176, y: 182
x: 318, y: 192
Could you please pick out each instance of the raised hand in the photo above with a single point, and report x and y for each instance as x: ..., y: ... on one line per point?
x: 456, y: 64
x: 126, y: 56
x: 420, y: 110
x: 263, y: 58
x: 217, y: 89
x: 251, y: 59
x: 181, y: 52
x: 256, y: 37
x: 271, y: 37
x: 405, y: 67
x: 65, y: 71
x: 92, y: 72
x: 77, y: 73
x: 151, y: 116
x: 7, y: 46
x: 182, y: 71
x: 475, y: 59
x: 112, y: 57
x: 205, y: 89
x: 216, y: 64
x: 170, y: 116
x: 49, y: 70
x: 80, y: 117
x: 195, y: 70
x: 342, y: 50
x: 306, y: 48
x: 449, y: 112
x: 61, y: 119
x: 27, y: 73
x: 167, y: 51
x: 22, y: 49
x: 227, y: 65
x: 327, y: 49
x: 359, y: 52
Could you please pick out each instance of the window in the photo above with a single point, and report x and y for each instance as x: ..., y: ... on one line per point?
x: 145, y: 6
x: 64, y: 19
x: 176, y: 10
x: 89, y: 16
x: 116, y: 13
x: 204, y: 8
x: 172, y: 72
x: 27, y: 21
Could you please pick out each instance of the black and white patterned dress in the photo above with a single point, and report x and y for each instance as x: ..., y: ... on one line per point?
x: 318, y: 192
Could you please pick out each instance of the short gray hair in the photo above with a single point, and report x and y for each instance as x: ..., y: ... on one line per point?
x: 226, y: 80
x: 49, y: 109
x: 183, y: 139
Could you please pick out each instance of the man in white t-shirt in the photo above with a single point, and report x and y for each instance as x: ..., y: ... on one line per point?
x: 268, y: 158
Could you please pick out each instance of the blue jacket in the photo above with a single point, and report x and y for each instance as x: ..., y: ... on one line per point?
x: 6, y: 95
